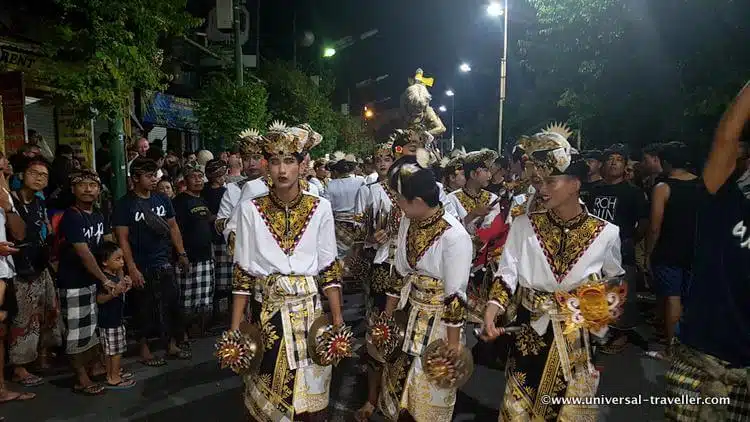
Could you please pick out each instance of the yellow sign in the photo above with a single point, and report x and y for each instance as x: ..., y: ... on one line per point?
x: 79, y: 137
x: 16, y: 59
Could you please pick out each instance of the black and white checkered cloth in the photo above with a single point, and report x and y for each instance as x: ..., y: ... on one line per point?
x: 197, y: 287
x: 222, y: 268
x: 78, y: 309
x: 114, y: 341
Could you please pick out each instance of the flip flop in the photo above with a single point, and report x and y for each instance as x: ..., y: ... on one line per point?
x: 153, y: 362
x: 181, y: 355
x: 126, y: 375
x: 30, y: 381
x: 91, y: 390
x: 18, y: 397
x: 122, y: 385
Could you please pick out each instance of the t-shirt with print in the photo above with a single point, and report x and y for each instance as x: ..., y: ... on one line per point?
x: 32, y: 258
x: 213, y: 196
x: 623, y: 205
x: 194, y: 220
x: 716, y: 315
x: 151, y: 250
x: 79, y: 226
x: 111, y: 312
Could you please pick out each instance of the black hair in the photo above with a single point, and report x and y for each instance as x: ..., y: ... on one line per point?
x: 420, y: 184
x: 676, y: 154
x: 187, y: 153
x: 619, y: 149
x: 25, y: 162
x: 469, y: 167
x: 652, y: 149
x: 63, y: 150
x: 343, y: 166
x: 155, y: 154
x: 578, y: 169
x: 141, y: 166
x: 104, y: 252
x: 502, y: 162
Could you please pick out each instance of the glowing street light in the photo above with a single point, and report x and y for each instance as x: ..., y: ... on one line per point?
x: 495, y: 9
x: 369, y: 114
x: 443, y: 109
x: 329, y: 52
x: 465, y: 68
x: 449, y: 93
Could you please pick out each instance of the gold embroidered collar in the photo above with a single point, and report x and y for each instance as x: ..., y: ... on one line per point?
x: 286, y: 221
x: 423, y: 234
x: 565, y: 242
x: 469, y: 202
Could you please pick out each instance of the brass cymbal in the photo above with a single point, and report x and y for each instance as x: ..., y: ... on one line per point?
x: 395, y: 328
x: 444, y: 368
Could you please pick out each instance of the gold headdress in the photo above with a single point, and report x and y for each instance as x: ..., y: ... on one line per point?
x: 385, y: 148
x: 250, y: 142
x: 410, y: 169
x: 284, y: 140
x: 484, y: 156
x: 419, y: 77
x: 561, y: 129
x: 549, y: 153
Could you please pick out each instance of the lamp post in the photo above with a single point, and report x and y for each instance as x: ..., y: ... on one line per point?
x: 495, y: 10
x: 452, y: 95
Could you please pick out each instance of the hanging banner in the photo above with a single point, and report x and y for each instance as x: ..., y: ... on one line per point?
x: 168, y: 111
x: 14, y: 122
x: 79, y: 136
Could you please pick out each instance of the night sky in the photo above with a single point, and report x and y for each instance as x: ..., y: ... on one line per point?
x: 436, y: 35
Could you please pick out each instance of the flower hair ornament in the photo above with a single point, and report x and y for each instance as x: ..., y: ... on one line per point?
x: 283, y: 140
x: 410, y: 169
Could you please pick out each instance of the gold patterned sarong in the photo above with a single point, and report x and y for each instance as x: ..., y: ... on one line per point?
x: 288, y: 382
x: 405, y: 386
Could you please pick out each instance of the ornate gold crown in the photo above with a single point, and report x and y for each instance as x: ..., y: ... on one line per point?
x: 560, y: 129
x: 250, y: 142
x: 284, y: 140
x: 385, y: 148
x: 483, y: 156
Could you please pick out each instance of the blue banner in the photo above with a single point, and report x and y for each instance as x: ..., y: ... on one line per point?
x: 169, y: 111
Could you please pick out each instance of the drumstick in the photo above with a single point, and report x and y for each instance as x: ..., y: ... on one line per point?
x: 479, y: 332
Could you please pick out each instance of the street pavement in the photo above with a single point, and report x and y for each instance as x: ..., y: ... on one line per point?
x: 198, y: 390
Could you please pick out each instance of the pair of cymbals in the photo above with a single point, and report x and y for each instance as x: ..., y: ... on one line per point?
x: 385, y: 336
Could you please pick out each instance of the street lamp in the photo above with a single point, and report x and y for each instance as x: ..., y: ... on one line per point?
x: 449, y: 93
x: 465, y: 68
x: 369, y: 114
x: 495, y: 10
x: 442, y: 109
x: 329, y: 52
x: 452, y: 95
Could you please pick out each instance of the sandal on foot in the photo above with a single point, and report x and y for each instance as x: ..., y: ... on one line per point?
x: 91, y: 390
x: 153, y: 362
x: 30, y: 381
x: 181, y: 355
x: 364, y: 412
x: 657, y: 355
x: 126, y: 375
x: 122, y: 385
x: 17, y: 397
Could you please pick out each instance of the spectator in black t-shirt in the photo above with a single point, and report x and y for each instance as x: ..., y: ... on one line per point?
x: 81, y: 233
x: 146, y: 231
x: 33, y: 286
x: 594, y: 177
x: 195, y: 220
x: 712, y: 355
x: 651, y: 166
x: 111, y: 311
x: 624, y: 205
x: 669, y: 246
x: 216, y: 173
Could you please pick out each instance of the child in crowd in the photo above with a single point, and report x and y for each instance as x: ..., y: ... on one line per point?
x: 165, y: 187
x: 110, y: 319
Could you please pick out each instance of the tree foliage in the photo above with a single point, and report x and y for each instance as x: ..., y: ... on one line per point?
x: 101, y: 50
x: 294, y: 98
x: 637, y: 71
x: 226, y: 109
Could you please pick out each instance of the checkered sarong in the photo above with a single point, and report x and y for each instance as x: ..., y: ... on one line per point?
x: 222, y: 268
x: 685, y: 380
x: 197, y: 287
x: 78, y: 309
x: 114, y: 341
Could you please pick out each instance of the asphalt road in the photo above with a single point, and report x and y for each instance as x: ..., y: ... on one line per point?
x: 198, y: 390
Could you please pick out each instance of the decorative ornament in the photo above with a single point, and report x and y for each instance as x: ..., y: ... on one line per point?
x: 240, y: 350
x: 386, y: 335
x: 250, y: 133
x: 277, y: 126
x: 592, y: 305
x: 561, y: 129
x: 423, y: 158
x: 329, y: 344
x: 446, y: 367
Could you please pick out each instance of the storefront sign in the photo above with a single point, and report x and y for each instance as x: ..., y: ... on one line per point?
x: 169, y: 111
x: 14, y: 122
x: 16, y: 59
x: 79, y: 136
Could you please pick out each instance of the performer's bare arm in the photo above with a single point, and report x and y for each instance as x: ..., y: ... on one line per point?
x: 334, y: 301
x: 722, y: 159
x: 239, y: 304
